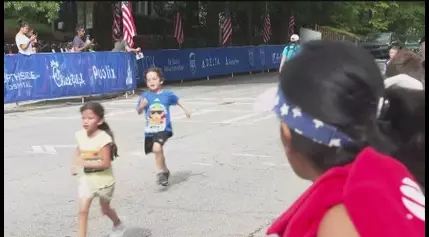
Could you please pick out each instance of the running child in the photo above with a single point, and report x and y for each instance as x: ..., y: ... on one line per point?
x: 156, y: 105
x: 93, y: 165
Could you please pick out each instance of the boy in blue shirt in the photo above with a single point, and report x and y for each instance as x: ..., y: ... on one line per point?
x: 156, y: 105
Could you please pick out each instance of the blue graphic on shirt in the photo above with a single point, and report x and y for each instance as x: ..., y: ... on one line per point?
x: 157, y: 111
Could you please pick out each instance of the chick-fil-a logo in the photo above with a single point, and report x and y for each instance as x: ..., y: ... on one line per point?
x: 65, y: 80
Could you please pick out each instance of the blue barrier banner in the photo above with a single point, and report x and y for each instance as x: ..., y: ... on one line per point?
x: 47, y: 76
x: 53, y: 75
x: 199, y: 63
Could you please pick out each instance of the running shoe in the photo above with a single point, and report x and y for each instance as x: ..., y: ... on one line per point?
x: 162, y: 178
x: 118, y: 231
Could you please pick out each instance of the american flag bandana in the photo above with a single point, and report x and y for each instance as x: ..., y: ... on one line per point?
x: 300, y: 122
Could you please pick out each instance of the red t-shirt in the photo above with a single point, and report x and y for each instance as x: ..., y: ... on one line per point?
x: 378, y: 192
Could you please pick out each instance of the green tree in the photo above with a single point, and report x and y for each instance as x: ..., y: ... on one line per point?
x: 409, y: 19
x: 32, y: 10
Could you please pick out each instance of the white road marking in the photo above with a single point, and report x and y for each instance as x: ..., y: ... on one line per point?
x: 261, y: 119
x: 191, y: 102
x: 49, y: 149
x: 37, y: 149
x: 193, y: 114
x: 217, y: 98
x: 65, y: 146
x: 136, y: 120
x: 43, y: 150
x: 118, y: 112
x: 57, y: 117
x: 249, y: 155
x: 269, y: 164
x: 136, y: 153
x: 202, y: 164
x: 240, y: 118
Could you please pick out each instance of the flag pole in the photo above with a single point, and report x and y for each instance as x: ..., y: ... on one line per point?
x: 293, y: 27
x: 266, y: 43
x: 266, y: 11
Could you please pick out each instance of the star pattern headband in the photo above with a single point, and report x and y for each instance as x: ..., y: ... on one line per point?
x: 309, y: 127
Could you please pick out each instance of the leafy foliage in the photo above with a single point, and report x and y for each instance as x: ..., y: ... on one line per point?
x: 201, y: 19
x: 32, y: 10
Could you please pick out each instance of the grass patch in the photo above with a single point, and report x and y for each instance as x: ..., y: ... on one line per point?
x: 343, y: 32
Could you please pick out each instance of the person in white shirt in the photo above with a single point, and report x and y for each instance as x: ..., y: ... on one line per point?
x: 24, y: 43
x: 29, y: 34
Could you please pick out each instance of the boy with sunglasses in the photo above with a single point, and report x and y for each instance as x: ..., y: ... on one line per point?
x: 155, y: 104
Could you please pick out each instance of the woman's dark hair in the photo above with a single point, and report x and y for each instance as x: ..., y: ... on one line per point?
x: 157, y: 70
x: 78, y: 28
x: 98, y: 109
x: 405, y: 122
x: 22, y: 23
x: 343, y: 89
x: 406, y: 62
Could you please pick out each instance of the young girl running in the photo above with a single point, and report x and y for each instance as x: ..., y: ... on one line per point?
x: 92, y: 163
x: 156, y: 105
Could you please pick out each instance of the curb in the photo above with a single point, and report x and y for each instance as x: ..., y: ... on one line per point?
x: 74, y: 101
x: 58, y: 104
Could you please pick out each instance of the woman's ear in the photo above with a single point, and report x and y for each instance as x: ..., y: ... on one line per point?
x: 285, y: 136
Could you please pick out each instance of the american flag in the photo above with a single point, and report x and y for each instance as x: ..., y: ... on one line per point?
x: 226, y: 28
x: 291, y: 25
x: 267, y: 28
x: 178, y: 29
x: 128, y: 23
x: 116, y: 28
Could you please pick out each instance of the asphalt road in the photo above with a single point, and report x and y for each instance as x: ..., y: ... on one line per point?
x: 230, y: 176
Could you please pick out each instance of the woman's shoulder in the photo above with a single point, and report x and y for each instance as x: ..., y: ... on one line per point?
x: 337, y: 223
x: 379, y: 193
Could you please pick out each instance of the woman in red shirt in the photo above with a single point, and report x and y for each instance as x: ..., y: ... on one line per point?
x: 361, y: 145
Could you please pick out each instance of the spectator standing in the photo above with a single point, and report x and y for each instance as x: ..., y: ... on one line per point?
x: 290, y: 50
x: 406, y: 62
x: 33, y: 44
x: 422, y: 47
x: 24, y: 43
x: 121, y: 45
x: 78, y: 44
x: 392, y: 53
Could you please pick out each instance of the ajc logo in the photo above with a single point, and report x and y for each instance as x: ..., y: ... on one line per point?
x: 262, y: 56
x: 192, y: 65
x: 275, y: 58
x: 413, y: 198
x: 129, y: 79
x: 250, y: 57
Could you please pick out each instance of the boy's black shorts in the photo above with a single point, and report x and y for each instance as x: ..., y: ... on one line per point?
x: 159, y: 137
